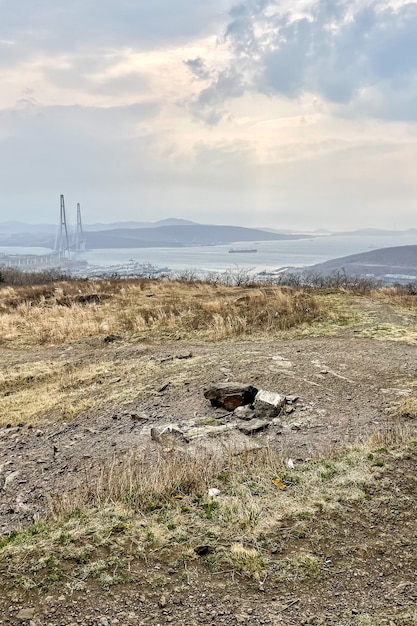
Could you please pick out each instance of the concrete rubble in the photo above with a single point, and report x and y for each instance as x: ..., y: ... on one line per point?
x: 230, y: 395
x: 249, y: 412
x: 268, y: 404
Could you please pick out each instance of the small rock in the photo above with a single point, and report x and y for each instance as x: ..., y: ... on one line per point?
x: 289, y: 410
x: 115, y: 380
x: 254, y: 426
x: 268, y: 404
x: 168, y: 436
x: 26, y: 614
x: 203, y: 550
x: 111, y: 338
x: 162, y: 602
x: 324, y: 371
x: 244, y: 412
x: 139, y: 417
x: 213, y: 492
x: 291, y: 399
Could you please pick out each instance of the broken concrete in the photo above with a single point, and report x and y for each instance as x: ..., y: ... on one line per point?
x: 230, y: 395
x: 201, y: 436
x: 268, y: 404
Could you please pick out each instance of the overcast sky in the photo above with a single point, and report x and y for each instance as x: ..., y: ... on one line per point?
x: 259, y: 112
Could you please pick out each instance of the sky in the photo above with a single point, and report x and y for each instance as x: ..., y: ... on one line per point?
x: 298, y: 114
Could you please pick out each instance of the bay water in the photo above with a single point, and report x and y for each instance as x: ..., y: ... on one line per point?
x: 270, y: 255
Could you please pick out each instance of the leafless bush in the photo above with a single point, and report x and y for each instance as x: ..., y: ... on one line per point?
x: 10, y: 276
x: 339, y: 279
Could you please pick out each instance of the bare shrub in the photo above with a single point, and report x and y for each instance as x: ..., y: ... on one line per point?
x: 14, y: 276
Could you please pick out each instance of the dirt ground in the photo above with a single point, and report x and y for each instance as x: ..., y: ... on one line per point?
x: 347, y: 384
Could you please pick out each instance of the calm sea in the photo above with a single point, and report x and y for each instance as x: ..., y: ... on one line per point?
x: 271, y: 254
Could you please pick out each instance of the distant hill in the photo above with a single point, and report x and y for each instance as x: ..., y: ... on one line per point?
x: 396, y: 260
x: 172, y: 221
x: 166, y: 236
x: 376, y: 232
x: 22, y: 228
x: 174, y: 236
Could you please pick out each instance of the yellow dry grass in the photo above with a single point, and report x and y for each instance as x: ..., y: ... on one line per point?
x: 31, y: 391
x: 68, y: 312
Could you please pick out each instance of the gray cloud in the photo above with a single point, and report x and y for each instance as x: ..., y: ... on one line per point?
x: 330, y: 52
x: 198, y: 68
x: 42, y: 26
x: 209, y: 104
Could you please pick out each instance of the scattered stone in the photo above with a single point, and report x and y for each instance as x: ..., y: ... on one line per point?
x: 203, y: 550
x: 111, y: 338
x: 289, y: 410
x: 115, y: 380
x: 291, y: 399
x: 164, y: 387
x: 139, y: 417
x: 230, y: 395
x: 244, y: 412
x: 254, y: 426
x: 26, y: 614
x: 187, y: 355
x: 268, y: 404
x: 324, y: 371
x: 168, y: 436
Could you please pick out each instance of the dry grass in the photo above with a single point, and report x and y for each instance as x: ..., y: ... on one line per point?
x: 155, y: 504
x: 70, y: 311
x: 32, y: 391
x: 398, y: 297
x: 161, y: 502
x: 57, y: 390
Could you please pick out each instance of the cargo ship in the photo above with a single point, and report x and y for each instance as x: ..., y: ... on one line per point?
x: 242, y: 250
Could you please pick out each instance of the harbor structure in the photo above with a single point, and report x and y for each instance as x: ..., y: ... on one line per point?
x: 66, y: 246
